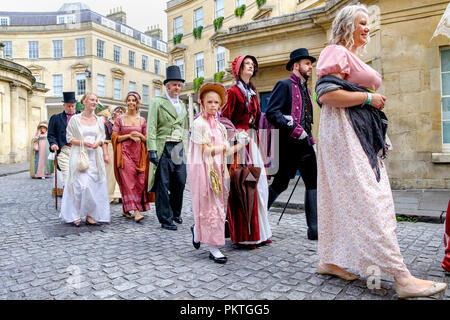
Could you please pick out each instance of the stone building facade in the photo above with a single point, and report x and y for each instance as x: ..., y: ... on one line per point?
x: 76, y: 49
x: 22, y: 107
x: 414, y: 67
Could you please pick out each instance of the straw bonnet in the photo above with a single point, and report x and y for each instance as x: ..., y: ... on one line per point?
x: 216, y: 87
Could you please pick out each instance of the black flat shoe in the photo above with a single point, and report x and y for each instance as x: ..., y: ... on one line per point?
x: 178, y: 220
x: 220, y: 260
x: 169, y: 226
x: 195, y: 244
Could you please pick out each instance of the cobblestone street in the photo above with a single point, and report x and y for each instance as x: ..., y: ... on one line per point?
x: 42, y: 258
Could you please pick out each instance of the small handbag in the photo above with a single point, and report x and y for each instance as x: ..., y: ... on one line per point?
x: 214, y: 178
x: 83, y: 159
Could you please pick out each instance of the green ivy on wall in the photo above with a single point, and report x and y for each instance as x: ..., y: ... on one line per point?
x: 198, y: 32
x: 218, y: 76
x: 239, y: 11
x: 260, y: 3
x: 198, y: 83
x: 177, y: 38
x: 218, y: 23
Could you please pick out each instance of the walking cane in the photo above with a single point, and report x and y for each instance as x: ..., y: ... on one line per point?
x: 56, y: 181
x: 285, y: 206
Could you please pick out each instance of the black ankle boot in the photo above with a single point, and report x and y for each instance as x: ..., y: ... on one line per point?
x: 311, y: 213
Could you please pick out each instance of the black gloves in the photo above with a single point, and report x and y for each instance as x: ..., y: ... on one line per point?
x: 153, y: 157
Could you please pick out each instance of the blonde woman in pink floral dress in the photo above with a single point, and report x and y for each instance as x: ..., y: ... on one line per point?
x: 356, y: 217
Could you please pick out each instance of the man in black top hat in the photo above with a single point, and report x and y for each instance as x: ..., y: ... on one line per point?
x: 57, y: 133
x: 167, y: 129
x: 290, y: 110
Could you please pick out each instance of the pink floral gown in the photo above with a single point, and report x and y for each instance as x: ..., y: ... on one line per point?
x: 356, y: 217
x: 209, y: 210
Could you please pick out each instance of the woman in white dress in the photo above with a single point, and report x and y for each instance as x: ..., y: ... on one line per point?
x: 86, y: 194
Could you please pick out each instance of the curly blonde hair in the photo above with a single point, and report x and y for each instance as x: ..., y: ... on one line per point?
x: 344, y: 25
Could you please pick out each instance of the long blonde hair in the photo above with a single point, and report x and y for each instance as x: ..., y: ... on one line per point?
x: 344, y: 25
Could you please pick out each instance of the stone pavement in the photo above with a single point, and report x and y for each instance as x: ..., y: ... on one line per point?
x: 42, y: 258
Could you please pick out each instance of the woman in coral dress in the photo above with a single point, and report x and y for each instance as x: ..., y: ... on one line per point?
x: 130, y: 159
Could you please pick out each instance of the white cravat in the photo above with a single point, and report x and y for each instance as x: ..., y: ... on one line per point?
x: 175, y: 103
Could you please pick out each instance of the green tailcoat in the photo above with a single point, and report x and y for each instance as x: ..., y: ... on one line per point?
x: 163, y: 122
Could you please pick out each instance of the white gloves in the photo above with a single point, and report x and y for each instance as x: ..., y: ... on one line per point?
x: 290, y: 120
x: 242, y: 137
x: 304, y: 135
x: 315, y: 148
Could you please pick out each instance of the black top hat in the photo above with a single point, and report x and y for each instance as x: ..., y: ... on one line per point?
x: 69, y: 97
x: 299, y: 54
x: 173, y: 74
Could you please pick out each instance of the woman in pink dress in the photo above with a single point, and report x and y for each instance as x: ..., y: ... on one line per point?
x: 130, y: 159
x: 208, y: 148
x: 40, y: 166
x: 356, y: 217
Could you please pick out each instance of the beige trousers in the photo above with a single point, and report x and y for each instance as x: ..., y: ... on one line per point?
x: 63, y: 162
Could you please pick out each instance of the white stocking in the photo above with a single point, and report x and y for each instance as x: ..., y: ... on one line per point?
x: 215, y: 251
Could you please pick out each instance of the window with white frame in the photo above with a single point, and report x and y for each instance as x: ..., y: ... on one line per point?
x: 100, y: 48
x: 198, y: 17
x: 126, y: 30
x: 108, y: 23
x: 101, y: 90
x: 132, y: 86
x: 219, y: 8
x: 36, y: 76
x: 157, y: 92
x: 66, y: 18
x: 81, y: 83
x: 240, y: 3
x: 178, y: 25
x: 199, y: 65
x: 445, y: 76
x: 117, y: 55
x: 157, y: 66
x: 33, y: 49
x: 220, y: 57
x: 131, y: 58
x: 57, y: 85
x: 7, y: 50
x: 57, y: 48
x: 145, y: 63
x: 117, y: 88
x: 180, y: 64
x: 145, y: 94
x: 4, y: 21
x: 80, y: 44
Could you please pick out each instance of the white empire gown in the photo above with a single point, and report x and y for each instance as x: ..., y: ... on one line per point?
x: 90, y: 194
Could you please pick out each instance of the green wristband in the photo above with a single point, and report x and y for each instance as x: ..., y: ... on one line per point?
x: 369, y: 98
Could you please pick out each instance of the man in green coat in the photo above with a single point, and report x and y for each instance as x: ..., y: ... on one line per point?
x: 167, y: 131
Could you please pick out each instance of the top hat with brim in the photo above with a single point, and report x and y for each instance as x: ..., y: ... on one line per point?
x: 69, y: 97
x: 173, y: 73
x: 217, y: 88
x: 299, y: 54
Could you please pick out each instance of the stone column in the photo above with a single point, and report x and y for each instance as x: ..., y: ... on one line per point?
x: 14, y: 97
